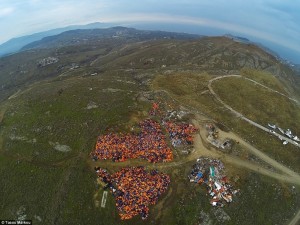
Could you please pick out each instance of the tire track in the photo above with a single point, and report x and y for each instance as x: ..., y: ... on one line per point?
x: 241, y: 116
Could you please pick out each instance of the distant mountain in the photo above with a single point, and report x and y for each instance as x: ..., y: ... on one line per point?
x: 214, y: 54
x: 16, y: 44
x: 247, y: 41
x: 237, y: 38
x: 296, y: 67
x: 93, y: 36
x: 84, y: 52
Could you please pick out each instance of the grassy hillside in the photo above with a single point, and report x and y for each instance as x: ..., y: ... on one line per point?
x: 89, y: 51
x: 51, y: 116
x: 260, y: 105
x: 56, y: 185
x: 71, y: 112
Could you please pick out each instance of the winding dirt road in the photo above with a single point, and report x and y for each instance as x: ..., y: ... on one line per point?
x: 296, y: 219
x: 245, y: 118
x: 286, y: 175
x: 292, y: 177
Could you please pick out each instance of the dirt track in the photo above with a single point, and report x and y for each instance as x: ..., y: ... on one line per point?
x: 289, y: 176
x: 263, y: 156
x: 296, y: 219
x: 292, y: 177
x: 242, y: 116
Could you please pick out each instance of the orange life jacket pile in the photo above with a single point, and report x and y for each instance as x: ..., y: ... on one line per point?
x: 135, y: 189
x: 149, y: 144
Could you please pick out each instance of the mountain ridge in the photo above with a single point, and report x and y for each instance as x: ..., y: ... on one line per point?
x: 16, y: 44
x: 97, y: 50
x: 79, y: 36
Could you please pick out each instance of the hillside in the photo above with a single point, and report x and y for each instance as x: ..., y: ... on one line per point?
x: 92, y: 36
x: 66, y: 93
x: 16, y: 44
x: 121, y: 47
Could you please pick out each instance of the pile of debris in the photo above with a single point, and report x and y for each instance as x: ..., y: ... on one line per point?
x: 287, y: 133
x: 135, y: 189
x: 149, y: 144
x: 210, y: 172
x: 180, y: 133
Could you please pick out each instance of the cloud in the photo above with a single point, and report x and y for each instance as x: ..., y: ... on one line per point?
x: 197, y: 21
x: 34, y: 1
x: 31, y: 16
x: 6, y: 11
x: 275, y: 21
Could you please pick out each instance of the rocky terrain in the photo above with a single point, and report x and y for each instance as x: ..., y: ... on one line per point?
x: 60, y: 93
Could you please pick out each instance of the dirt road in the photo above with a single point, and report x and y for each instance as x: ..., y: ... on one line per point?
x: 292, y: 176
x: 261, y: 155
x: 242, y: 116
x: 295, y: 220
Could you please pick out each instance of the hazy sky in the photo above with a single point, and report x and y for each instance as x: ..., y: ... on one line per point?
x: 276, y: 21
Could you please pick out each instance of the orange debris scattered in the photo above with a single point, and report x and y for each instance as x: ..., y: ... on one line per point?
x: 154, y: 110
x: 180, y: 132
x: 149, y: 144
x: 135, y: 189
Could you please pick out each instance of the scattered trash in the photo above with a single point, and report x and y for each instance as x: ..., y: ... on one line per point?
x: 210, y: 173
x: 180, y: 133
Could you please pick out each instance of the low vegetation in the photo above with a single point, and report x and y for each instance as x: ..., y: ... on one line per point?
x: 51, y: 116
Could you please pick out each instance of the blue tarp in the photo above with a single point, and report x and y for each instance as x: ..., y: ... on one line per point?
x: 198, y: 176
